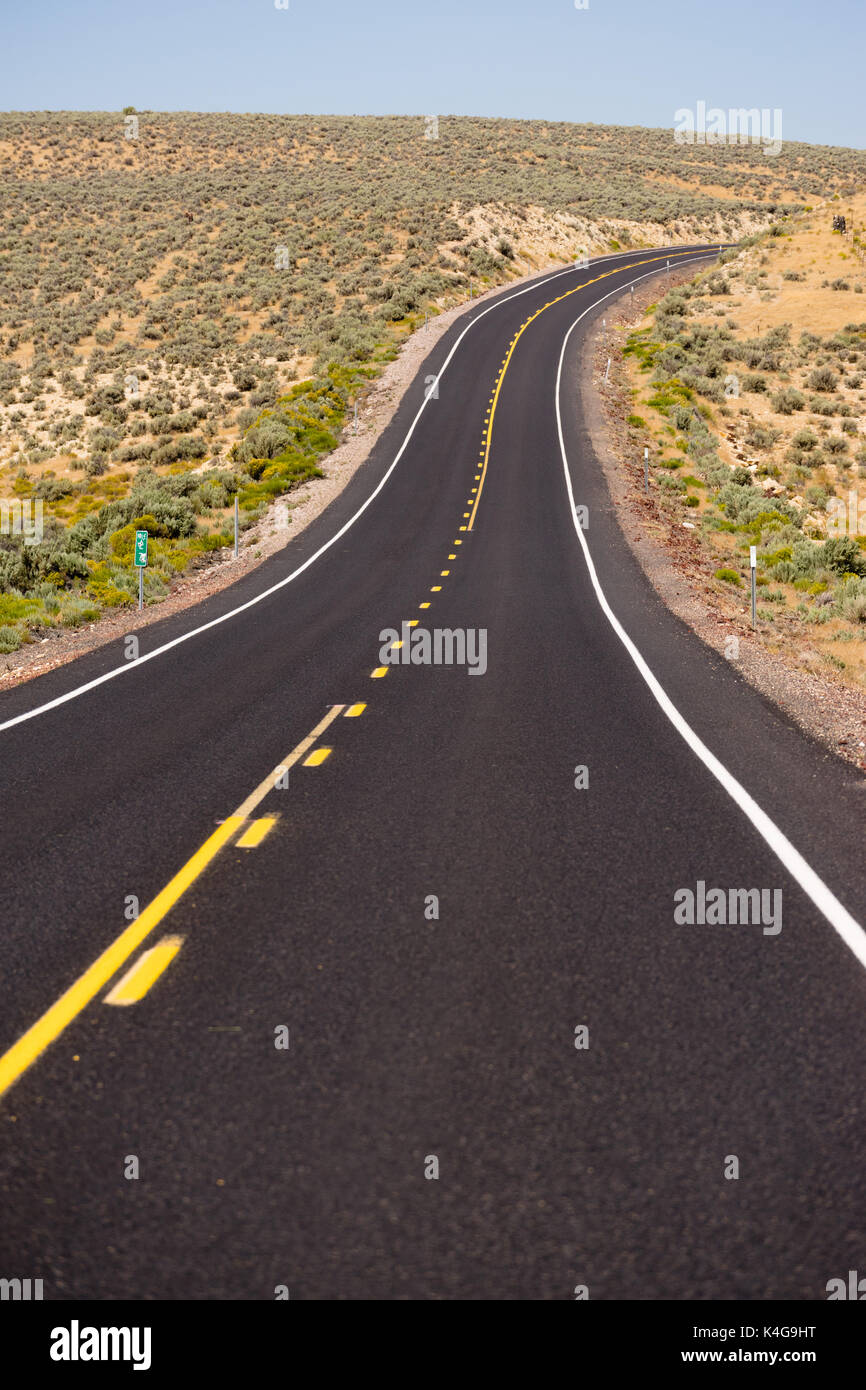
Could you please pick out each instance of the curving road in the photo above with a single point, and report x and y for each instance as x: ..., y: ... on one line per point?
x: 433, y: 912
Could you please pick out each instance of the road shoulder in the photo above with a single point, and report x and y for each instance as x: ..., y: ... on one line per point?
x: 672, y: 558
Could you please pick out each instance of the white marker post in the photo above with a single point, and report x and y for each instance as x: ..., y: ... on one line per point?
x: 753, y: 565
x: 607, y: 368
x: 140, y: 561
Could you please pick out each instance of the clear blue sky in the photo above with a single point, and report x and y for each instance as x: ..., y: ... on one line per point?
x: 625, y: 62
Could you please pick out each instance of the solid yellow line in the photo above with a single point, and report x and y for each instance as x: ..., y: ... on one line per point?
x: 147, y: 969
x: 247, y: 807
x: 252, y: 838
x: 49, y: 1027
x: 507, y: 362
x: 317, y: 757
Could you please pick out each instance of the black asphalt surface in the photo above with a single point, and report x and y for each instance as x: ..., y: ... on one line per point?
x: 455, y: 1037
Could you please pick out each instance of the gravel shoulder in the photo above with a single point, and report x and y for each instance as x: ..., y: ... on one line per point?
x: 675, y: 562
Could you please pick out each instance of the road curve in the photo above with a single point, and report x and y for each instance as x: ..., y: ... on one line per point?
x: 471, y: 959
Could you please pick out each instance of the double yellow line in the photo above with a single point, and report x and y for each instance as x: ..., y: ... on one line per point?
x: 650, y: 260
x: 52, y: 1023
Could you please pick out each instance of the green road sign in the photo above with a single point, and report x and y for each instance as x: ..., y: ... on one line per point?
x: 140, y: 549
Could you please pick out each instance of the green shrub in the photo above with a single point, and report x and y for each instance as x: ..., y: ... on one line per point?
x: 851, y: 600
x: 785, y: 402
x: 822, y: 379
x: 843, y: 555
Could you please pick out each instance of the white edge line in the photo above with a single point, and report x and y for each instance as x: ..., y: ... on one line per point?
x: 814, y: 887
x: 266, y: 593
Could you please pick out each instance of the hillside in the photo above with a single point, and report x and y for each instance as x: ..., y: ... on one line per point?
x: 188, y: 314
x: 753, y: 378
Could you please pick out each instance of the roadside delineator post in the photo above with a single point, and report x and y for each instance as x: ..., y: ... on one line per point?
x: 753, y: 566
x: 607, y: 369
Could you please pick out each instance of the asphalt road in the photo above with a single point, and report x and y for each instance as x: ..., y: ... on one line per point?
x: 413, y: 1037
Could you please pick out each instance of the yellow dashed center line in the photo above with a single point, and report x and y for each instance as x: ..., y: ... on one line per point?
x: 134, y: 985
x: 253, y: 837
x: 317, y: 757
x: 354, y: 711
x: 268, y: 785
x: 52, y: 1023
x: 489, y: 417
x: 48, y: 1028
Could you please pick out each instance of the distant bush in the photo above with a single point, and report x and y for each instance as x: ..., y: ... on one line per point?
x: 785, y: 402
x: 822, y: 379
